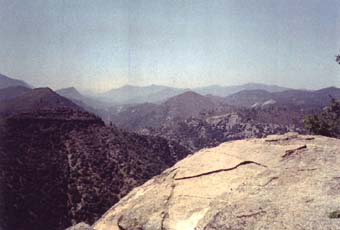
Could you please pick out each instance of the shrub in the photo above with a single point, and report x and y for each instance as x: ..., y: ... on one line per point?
x: 327, y: 123
x: 334, y: 215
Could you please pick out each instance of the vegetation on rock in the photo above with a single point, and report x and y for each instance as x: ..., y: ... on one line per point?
x: 334, y: 215
x: 327, y: 123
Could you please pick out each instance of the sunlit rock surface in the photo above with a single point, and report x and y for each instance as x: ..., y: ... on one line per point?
x: 281, y: 182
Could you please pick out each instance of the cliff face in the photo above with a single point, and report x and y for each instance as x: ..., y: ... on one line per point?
x: 280, y: 182
x: 60, y: 167
x: 34, y: 171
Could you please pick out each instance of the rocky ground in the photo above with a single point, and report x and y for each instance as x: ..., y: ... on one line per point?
x: 280, y: 182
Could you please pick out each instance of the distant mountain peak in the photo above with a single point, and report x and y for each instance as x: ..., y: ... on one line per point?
x: 70, y: 92
x: 38, y: 99
x: 43, y: 89
x: 70, y: 88
x: 152, y: 86
x: 41, y: 92
x: 127, y: 86
x: 189, y: 94
x: 224, y: 91
x: 130, y: 94
x: 6, y: 82
x: 154, y: 93
x: 189, y: 104
x: 4, y: 76
x: 330, y: 89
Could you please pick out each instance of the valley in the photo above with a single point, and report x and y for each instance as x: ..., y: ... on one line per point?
x: 67, y: 158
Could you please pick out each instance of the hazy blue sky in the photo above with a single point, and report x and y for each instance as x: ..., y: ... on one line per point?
x: 102, y: 44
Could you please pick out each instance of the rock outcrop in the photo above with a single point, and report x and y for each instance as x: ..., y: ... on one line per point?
x: 280, y: 182
x: 80, y: 226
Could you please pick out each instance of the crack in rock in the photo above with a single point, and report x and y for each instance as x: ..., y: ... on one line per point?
x: 291, y: 151
x: 270, y: 180
x: 221, y: 170
x: 165, y: 213
x: 252, y: 214
x: 312, y: 169
x: 118, y: 223
x: 198, y: 197
x: 282, y: 138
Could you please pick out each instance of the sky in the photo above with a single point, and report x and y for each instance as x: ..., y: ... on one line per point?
x: 104, y: 44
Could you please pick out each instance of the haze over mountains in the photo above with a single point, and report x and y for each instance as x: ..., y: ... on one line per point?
x: 129, y: 94
x: 224, y: 91
x: 192, y: 119
x: 234, y: 95
x: 198, y: 121
x: 301, y: 98
x: 196, y: 118
x: 67, y: 157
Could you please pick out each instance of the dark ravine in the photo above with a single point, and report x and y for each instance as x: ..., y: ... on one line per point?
x: 60, y: 165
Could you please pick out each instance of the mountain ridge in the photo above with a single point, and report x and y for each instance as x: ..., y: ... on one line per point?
x: 56, y: 161
x: 196, y: 121
x: 6, y: 82
x: 36, y: 100
x: 70, y: 92
x: 132, y: 94
x: 224, y: 91
x: 299, y: 98
x: 12, y: 92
